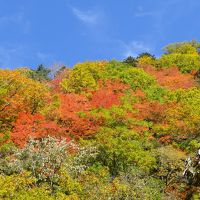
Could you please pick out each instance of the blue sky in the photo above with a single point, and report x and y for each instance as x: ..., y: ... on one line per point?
x: 34, y: 32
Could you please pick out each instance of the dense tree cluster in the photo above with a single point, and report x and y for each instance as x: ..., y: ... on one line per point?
x: 103, y: 129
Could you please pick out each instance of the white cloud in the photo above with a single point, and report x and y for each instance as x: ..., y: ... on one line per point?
x: 17, y: 56
x: 43, y: 56
x: 140, y: 12
x: 144, y: 14
x: 12, y: 18
x: 17, y: 18
x: 89, y: 17
x: 10, y: 57
x: 134, y: 48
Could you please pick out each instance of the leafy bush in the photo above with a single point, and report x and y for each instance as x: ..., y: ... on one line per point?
x: 43, y: 158
x: 121, y: 149
x: 185, y: 62
x: 83, y: 77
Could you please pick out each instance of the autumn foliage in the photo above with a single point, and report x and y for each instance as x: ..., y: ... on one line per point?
x: 108, y: 94
x: 172, y: 78
x: 74, y: 115
x: 133, y: 122
x: 33, y: 126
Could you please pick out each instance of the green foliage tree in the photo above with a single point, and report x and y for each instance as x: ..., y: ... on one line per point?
x: 185, y: 62
x: 133, y: 184
x: 183, y: 120
x: 137, y: 78
x: 184, y: 55
x: 84, y: 76
x: 170, y: 164
x: 121, y: 149
x: 146, y: 54
x: 146, y: 59
x: 191, y: 47
x: 22, y: 186
x: 11, y: 185
x: 40, y: 74
x: 130, y: 61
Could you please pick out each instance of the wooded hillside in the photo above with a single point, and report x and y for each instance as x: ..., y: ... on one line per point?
x: 103, y: 129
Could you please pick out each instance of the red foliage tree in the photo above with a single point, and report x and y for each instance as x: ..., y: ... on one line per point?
x: 71, y: 104
x: 172, y: 78
x: 151, y: 111
x: 109, y: 94
x: 34, y: 126
x: 154, y: 112
x: 74, y: 115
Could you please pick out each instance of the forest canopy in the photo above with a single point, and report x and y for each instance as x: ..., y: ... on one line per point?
x: 103, y: 129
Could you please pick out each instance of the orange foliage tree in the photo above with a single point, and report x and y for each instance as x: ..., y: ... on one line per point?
x: 172, y: 78
x: 74, y: 115
x: 154, y: 113
x: 108, y: 94
x: 34, y: 126
x: 19, y: 93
